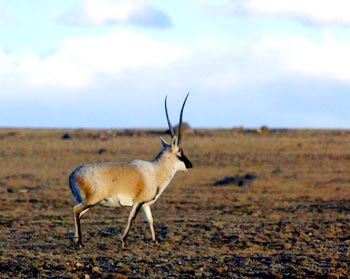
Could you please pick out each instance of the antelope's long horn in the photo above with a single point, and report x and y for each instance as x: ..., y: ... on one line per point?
x: 180, y: 121
x: 171, y: 129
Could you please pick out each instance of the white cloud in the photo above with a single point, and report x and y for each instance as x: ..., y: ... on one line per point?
x: 326, y: 59
x: 77, y: 62
x: 314, y: 11
x: 317, y: 12
x: 268, y: 56
x: 99, y: 12
x: 6, y: 18
x: 221, y: 81
x: 268, y: 60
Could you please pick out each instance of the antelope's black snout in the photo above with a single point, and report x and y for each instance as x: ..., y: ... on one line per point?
x: 184, y: 159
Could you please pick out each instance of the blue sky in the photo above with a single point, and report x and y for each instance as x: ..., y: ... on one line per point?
x: 110, y: 63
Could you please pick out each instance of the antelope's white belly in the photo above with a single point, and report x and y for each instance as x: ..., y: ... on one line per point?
x: 117, y: 201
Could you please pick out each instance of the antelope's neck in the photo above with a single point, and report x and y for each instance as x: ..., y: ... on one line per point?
x: 164, y: 175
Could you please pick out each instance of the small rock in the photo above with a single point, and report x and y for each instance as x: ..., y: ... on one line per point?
x: 263, y: 130
x: 79, y: 265
x: 96, y: 269
x: 66, y: 136
x: 343, y: 249
x: 239, y: 180
x: 104, y: 136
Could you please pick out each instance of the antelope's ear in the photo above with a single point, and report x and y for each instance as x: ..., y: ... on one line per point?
x: 164, y: 143
x: 174, y: 141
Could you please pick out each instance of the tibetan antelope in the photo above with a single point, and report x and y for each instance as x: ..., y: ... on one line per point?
x: 138, y: 184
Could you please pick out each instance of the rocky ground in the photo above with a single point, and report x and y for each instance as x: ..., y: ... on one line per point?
x: 256, y: 205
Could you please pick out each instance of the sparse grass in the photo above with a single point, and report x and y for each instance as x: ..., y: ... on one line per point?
x: 292, y: 221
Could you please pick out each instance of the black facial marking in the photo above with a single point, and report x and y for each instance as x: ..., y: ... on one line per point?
x: 184, y: 159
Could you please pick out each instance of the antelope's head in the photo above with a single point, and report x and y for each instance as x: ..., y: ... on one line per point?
x: 173, y: 151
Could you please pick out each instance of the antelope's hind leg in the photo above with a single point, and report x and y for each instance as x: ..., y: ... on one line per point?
x: 79, y: 210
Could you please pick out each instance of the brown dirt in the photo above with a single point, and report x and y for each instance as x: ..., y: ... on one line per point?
x: 291, y: 221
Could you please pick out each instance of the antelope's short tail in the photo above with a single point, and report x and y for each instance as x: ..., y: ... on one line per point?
x: 74, y: 187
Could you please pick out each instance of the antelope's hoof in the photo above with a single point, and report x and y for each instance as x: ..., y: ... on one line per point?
x: 123, y: 244
x: 78, y: 244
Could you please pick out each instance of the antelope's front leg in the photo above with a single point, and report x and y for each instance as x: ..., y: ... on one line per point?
x: 148, y: 213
